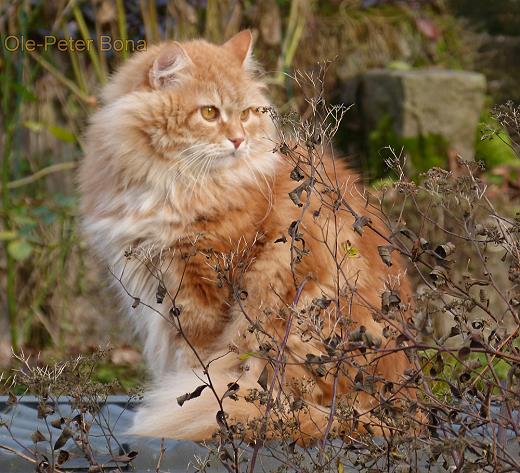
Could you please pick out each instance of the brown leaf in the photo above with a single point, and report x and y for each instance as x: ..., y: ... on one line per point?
x: 43, y: 466
x: 63, y: 438
x: 296, y: 174
x: 12, y: 399
x: 58, y: 422
x: 262, y: 379
x: 186, y: 397
x: 360, y: 223
x: 293, y: 230
x: 357, y: 334
x: 221, y: 420
x: 63, y: 456
x: 389, y: 300
x: 44, y: 410
x: 322, y: 302
x: 161, y: 292
x: 37, y: 436
x: 232, y: 391
x: 127, y: 458
x: 296, y: 193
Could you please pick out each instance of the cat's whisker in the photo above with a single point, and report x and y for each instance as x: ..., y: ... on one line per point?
x: 201, y: 170
x: 189, y: 149
x: 269, y: 195
x: 186, y: 154
x: 186, y: 169
x: 207, y: 175
x: 199, y: 174
x: 175, y: 177
x: 191, y: 159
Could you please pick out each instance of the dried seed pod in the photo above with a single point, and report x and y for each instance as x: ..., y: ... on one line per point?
x: 424, y: 244
x: 443, y: 251
x: 480, y: 229
x: 372, y: 340
x: 360, y: 223
x: 175, y: 311
x: 439, y: 276
x: 357, y: 334
x: 44, y: 410
x: 161, y: 292
x: 37, y: 436
x: 297, y: 174
x: 58, y: 422
x: 296, y: 194
x: 66, y: 434
x: 322, y: 302
x: 389, y: 300
x: 385, y: 254
x: 63, y: 456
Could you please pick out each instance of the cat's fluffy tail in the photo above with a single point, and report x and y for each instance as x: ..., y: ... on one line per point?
x: 162, y: 416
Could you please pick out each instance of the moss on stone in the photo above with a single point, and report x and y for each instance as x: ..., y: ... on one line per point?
x: 422, y: 151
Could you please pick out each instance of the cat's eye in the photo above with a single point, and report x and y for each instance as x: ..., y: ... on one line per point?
x: 244, y: 115
x: 209, y: 112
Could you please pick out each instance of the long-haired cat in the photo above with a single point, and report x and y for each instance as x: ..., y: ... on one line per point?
x: 185, y: 196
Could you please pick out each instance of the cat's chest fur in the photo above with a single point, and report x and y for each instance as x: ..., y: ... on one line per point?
x: 140, y: 218
x: 146, y: 241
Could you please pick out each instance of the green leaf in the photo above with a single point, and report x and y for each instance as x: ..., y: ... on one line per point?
x: 7, y: 235
x: 62, y: 134
x: 399, y: 66
x: 349, y: 250
x: 37, y: 127
x: 24, y: 92
x: 247, y: 355
x: 58, y: 132
x: 20, y: 250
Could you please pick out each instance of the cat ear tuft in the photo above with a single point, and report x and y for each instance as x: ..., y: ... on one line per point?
x: 169, y: 67
x: 241, y: 46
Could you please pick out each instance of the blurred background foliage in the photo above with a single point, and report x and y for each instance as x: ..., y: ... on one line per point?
x: 53, y: 296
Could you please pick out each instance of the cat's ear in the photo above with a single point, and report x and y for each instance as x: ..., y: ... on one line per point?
x: 241, y: 46
x: 170, y: 66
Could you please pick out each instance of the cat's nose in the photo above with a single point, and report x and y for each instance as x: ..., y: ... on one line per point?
x: 236, y: 142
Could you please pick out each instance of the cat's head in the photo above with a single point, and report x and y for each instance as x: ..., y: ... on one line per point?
x: 197, y: 106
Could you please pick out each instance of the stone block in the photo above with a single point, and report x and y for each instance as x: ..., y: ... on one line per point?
x: 425, y: 102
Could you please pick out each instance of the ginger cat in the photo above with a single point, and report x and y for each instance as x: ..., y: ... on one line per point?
x: 181, y: 185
